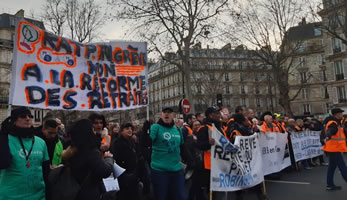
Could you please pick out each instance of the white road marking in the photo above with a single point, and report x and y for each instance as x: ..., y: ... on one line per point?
x: 289, y: 182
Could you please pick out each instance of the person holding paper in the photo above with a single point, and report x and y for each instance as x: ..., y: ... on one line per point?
x: 124, y: 152
x: 84, y: 159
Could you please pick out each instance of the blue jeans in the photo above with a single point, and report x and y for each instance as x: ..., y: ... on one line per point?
x: 335, y: 160
x: 168, y: 185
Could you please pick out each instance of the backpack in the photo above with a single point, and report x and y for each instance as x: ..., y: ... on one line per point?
x: 62, y: 185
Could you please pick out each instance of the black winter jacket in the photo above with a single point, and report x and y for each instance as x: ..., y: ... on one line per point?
x: 124, y: 153
x: 88, y: 163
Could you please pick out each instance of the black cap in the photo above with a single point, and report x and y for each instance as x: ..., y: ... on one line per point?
x: 18, y: 112
x: 336, y: 110
x: 211, y: 110
x: 168, y: 108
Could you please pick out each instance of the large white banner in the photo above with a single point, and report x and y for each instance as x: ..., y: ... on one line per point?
x: 235, y: 169
x: 306, y: 144
x: 57, y: 73
x: 275, y: 152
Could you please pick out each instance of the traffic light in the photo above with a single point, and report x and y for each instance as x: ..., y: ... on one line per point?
x: 219, y: 100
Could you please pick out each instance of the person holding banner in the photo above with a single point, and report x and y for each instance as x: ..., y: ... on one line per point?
x: 241, y: 129
x: 167, y: 171
x: 268, y: 125
x: 335, y: 144
x: 204, y: 143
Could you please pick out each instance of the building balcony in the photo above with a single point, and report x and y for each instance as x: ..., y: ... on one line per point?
x: 6, y: 43
x: 337, y: 50
x: 339, y: 77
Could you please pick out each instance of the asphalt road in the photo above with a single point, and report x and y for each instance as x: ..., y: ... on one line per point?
x: 304, y: 185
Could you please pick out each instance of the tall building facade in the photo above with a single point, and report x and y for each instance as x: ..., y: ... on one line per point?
x: 234, y: 74
x: 310, y: 80
x: 333, y: 14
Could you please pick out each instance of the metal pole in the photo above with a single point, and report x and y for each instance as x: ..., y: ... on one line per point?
x: 9, y: 108
x: 147, y: 109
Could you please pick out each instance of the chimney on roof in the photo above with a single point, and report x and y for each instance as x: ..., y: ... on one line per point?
x: 197, y: 46
x: 303, y: 21
x: 208, y: 46
x: 20, y: 13
x: 227, y: 46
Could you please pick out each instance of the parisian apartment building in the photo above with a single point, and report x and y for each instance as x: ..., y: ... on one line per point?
x: 235, y: 74
x: 333, y: 14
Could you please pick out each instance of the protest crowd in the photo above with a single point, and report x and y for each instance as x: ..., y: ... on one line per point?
x: 167, y: 159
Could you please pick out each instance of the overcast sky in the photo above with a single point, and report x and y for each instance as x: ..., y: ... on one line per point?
x: 111, y: 31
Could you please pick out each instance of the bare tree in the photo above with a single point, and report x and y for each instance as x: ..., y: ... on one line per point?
x: 263, y: 25
x: 79, y: 20
x: 54, y: 15
x: 172, y: 25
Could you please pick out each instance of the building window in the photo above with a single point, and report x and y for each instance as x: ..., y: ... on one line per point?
x: 243, y: 91
x: 302, y: 61
x: 338, y: 70
x: 243, y: 101
x: 257, y: 102
x: 307, y: 109
x: 269, y: 90
x: 341, y: 94
x: 226, y: 76
x: 337, y: 45
x: 227, y: 90
x: 198, y: 89
x: 12, y: 21
x: 303, y: 76
x: 324, y: 75
x: 257, y: 91
x: 305, y: 92
x: 212, y: 77
x: 256, y: 77
x: 326, y: 94
x: 241, y: 77
x: 322, y: 60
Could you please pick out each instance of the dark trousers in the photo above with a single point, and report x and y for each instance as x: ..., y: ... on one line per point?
x: 168, y: 185
x: 129, y: 187
x: 200, y: 185
x: 335, y: 160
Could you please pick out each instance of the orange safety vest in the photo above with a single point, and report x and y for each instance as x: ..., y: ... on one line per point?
x: 106, y: 140
x: 337, y: 143
x: 236, y: 132
x: 207, y: 154
x: 283, y: 126
x: 266, y: 129
x: 227, y: 124
x: 190, y: 131
x: 279, y: 126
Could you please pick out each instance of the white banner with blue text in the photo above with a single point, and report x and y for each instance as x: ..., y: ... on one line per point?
x: 235, y: 167
x: 306, y: 144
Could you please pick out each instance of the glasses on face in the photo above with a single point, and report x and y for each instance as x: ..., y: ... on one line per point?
x: 26, y: 115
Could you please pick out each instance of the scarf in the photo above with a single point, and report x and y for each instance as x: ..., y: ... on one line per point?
x: 167, y: 125
x: 23, y: 132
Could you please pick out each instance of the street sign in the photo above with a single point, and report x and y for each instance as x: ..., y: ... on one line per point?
x: 185, y: 105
